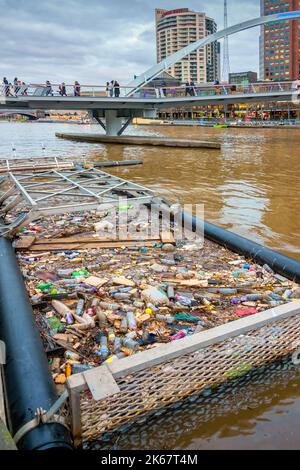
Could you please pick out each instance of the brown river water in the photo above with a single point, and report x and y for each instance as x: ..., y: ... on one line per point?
x: 251, y: 186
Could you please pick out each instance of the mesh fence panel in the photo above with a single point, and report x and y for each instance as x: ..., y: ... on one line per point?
x: 247, y: 396
x: 161, y: 385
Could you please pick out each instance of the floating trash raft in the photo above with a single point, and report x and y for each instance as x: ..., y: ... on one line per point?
x: 132, y: 316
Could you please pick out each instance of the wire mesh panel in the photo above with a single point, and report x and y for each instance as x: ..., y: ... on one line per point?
x: 170, y: 381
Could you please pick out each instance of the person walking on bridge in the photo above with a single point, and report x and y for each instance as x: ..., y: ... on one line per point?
x: 76, y: 88
x: 116, y: 89
x: 62, y: 89
x: 111, y: 88
x: 24, y: 89
x: 6, y: 87
x: 48, y: 90
x: 192, y: 89
x: 187, y: 88
x: 16, y: 86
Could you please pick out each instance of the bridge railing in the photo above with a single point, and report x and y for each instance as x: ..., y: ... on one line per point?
x: 150, y: 92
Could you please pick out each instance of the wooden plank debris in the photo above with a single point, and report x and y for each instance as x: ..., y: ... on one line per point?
x: 167, y: 237
x: 25, y: 242
x: 96, y: 281
x: 85, y: 246
x: 122, y: 281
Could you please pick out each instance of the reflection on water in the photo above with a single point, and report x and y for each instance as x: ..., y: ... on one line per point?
x: 251, y: 186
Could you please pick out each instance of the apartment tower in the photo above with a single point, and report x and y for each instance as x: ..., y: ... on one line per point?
x: 176, y: 29
x: 280, y: 43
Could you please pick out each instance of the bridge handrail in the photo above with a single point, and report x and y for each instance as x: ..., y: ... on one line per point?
x: 159, y: 91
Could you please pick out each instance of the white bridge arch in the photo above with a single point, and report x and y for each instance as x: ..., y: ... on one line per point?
x: 154, y: 71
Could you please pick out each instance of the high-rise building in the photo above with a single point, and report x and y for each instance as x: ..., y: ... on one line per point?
x: 176, y: 29
x: 280, y: 43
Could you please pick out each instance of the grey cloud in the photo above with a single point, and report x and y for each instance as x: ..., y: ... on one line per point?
x: 95, y: 40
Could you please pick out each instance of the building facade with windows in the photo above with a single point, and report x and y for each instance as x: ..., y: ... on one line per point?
x: 280, y: 43
x: 243, y: 77
x: 176, y: 29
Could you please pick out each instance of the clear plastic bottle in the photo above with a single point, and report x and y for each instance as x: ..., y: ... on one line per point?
x: 104, y: 351
x: 80, y: 307
x: 130, y: 344
x: 111, y: 336
x: 117, y: 344
x: 131, y: 321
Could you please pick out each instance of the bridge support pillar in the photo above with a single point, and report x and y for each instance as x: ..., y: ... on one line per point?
x: 114, y: 123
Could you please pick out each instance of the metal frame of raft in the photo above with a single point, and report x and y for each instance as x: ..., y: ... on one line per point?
x: 56, y: 190
x: 27, y: 365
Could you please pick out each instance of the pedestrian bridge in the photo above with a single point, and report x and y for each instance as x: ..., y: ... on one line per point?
x: 146, y: 101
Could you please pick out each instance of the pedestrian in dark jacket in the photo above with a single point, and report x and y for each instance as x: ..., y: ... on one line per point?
x: 192, y: 89
x: 116, y: 89
x: 49, y: 91
x: 62, y: 89
x: 187, y: 88
x: 6, y: 87
x: 16, y: 86
x: 76, y: 89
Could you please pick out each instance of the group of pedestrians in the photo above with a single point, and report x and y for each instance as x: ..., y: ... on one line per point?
x: 62, y: 89
x: 17, y: 87
x: 162, y: 90
x: 112, y: 89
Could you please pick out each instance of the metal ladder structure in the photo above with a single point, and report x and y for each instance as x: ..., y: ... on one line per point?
x: 32, y: 194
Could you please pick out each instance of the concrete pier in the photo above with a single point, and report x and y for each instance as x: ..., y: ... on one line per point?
x: 139, y: 140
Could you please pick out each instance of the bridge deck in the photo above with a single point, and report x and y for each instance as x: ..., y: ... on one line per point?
x: 90, y: 102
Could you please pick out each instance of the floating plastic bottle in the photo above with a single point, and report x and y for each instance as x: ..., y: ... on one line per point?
x: 72, y: 356
x: 121, y: 296
x: 108, y: 306
x: 227, y: 291
x: 180, y: 335
x: 117, y: 344
x: 131, y: 335
x: 131, y: 321
x: 111, y: 336
x: 103, y: 351
x: 166, y: 318
x: 183, y: 300
x: 199, y: 328
x: 80, y: 307
x: 63, y: 310
x: 254, y: 297
x: 45, y: 286
x: 267, y: 268
x: 124, y: 325
x: 130, y: 344
x: 79, y: 368
x: 170, y: 292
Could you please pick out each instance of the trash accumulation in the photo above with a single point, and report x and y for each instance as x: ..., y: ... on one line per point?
x: 97, y: 298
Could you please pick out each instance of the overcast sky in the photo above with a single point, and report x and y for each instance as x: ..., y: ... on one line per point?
x: 97, y: 40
